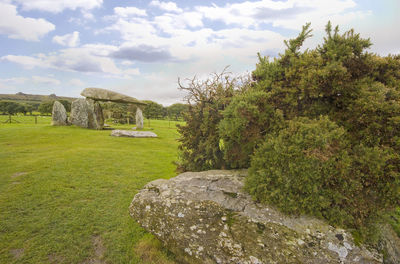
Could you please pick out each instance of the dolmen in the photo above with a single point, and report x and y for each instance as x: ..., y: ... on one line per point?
x: 87, y: 113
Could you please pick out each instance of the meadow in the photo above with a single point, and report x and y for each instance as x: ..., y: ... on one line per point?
x: 65, y: 192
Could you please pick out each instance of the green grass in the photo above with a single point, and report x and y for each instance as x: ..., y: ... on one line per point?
x: 28, y: 119
x: 65, y: 191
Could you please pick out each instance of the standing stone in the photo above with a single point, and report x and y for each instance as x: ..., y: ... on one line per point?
x: 96, y: 119
x: 139, y: 118
x: 87, y: 114
x: 59, y: 115
x: 80, y: 113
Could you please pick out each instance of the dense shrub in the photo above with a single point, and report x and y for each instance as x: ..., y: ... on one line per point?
x: 308, y: 168
x: 200, y: 141
x: 247, y: 119
x: 319, y: 128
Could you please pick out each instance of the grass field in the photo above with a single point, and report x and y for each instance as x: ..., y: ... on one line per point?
x: 65, y: 192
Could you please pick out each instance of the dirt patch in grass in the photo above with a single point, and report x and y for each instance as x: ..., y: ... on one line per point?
x: 99, y: 250
x: 55, y: 259
x: 17, y: 252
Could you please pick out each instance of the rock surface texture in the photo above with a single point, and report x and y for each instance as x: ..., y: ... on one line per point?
x: 205, y: 217
x: 136, y: 134
x: 87, y: 114
x: 59, y: 115
x: 139, y: 118
x: 99, y: 94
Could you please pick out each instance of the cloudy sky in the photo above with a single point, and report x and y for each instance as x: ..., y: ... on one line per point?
x: 140, y: 47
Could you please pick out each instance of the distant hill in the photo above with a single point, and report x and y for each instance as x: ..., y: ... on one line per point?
x: 33, y: 98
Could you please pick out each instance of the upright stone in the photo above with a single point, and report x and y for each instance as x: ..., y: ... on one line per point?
x: 96, y: 119
x: 80, y: 113
x: 59, y: 115
x: 139, y: 118
x: 87, y: 114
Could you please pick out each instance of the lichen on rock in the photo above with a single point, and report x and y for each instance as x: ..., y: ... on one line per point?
x: 205, y: 217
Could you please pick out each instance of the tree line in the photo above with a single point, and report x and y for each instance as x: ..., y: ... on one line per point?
x: 115, y: 111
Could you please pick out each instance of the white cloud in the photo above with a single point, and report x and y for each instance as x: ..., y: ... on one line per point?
x: 167, y: 6
x: 70, y: 40
x: 291, y: 14
x: 18, y: 27
x: 57, y: 6
x: 45, y: 80
x: 127, y: 63
x: 91, y: 59
x: 132, y: 71
x: 15, y: 80
x: 129, y: 11
x: 26, y: 61
x: 76, y: 82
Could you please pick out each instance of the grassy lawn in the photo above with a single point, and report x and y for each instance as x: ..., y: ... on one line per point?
x: 65, y: 191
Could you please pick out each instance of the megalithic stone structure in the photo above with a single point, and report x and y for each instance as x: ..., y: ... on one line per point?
x: 87, y: 112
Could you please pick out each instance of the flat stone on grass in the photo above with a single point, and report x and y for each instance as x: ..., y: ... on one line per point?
x: 135, y: 134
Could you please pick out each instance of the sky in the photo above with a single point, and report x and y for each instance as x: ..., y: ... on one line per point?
x: 140, y: 48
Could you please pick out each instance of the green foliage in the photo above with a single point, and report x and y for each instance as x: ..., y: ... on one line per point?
x: 66, y: 104
x: 295, y: 168
x: 359, y: 93
x: 119, y: 113
x: 319, y: 128
x: 12, y: 108
x: 200, y: 141
x: 246, y: 121
x: 154, y: 110
x: 176, y: 111
x: 309, y: 168
x: 46, y: 108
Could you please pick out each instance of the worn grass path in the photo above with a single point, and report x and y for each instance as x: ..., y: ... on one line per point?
x: 65, y: 191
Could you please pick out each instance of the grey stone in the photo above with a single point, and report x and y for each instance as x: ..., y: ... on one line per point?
x: 136, y: 134
x: 99, y: 94
x: 59, y: 115
x: 205, y: 217
x: 139, y: 118
x: 96, y: 119
x: 86, y: 114
x: 389, y: 243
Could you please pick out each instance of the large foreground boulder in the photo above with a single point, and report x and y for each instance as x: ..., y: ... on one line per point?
x: 87, y: 114
x: 59, y: 115
x: 205, y: 217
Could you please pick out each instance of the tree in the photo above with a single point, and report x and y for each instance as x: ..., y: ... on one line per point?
x: 66, y: 104
x: 176, y: 111
x: 45, y: 108
x: 154, y: 110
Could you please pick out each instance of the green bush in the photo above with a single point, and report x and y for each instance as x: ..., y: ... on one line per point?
x: 200, y: 141
x: 309, y: 168
x: 319, y: 128
x: 246, y: 121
